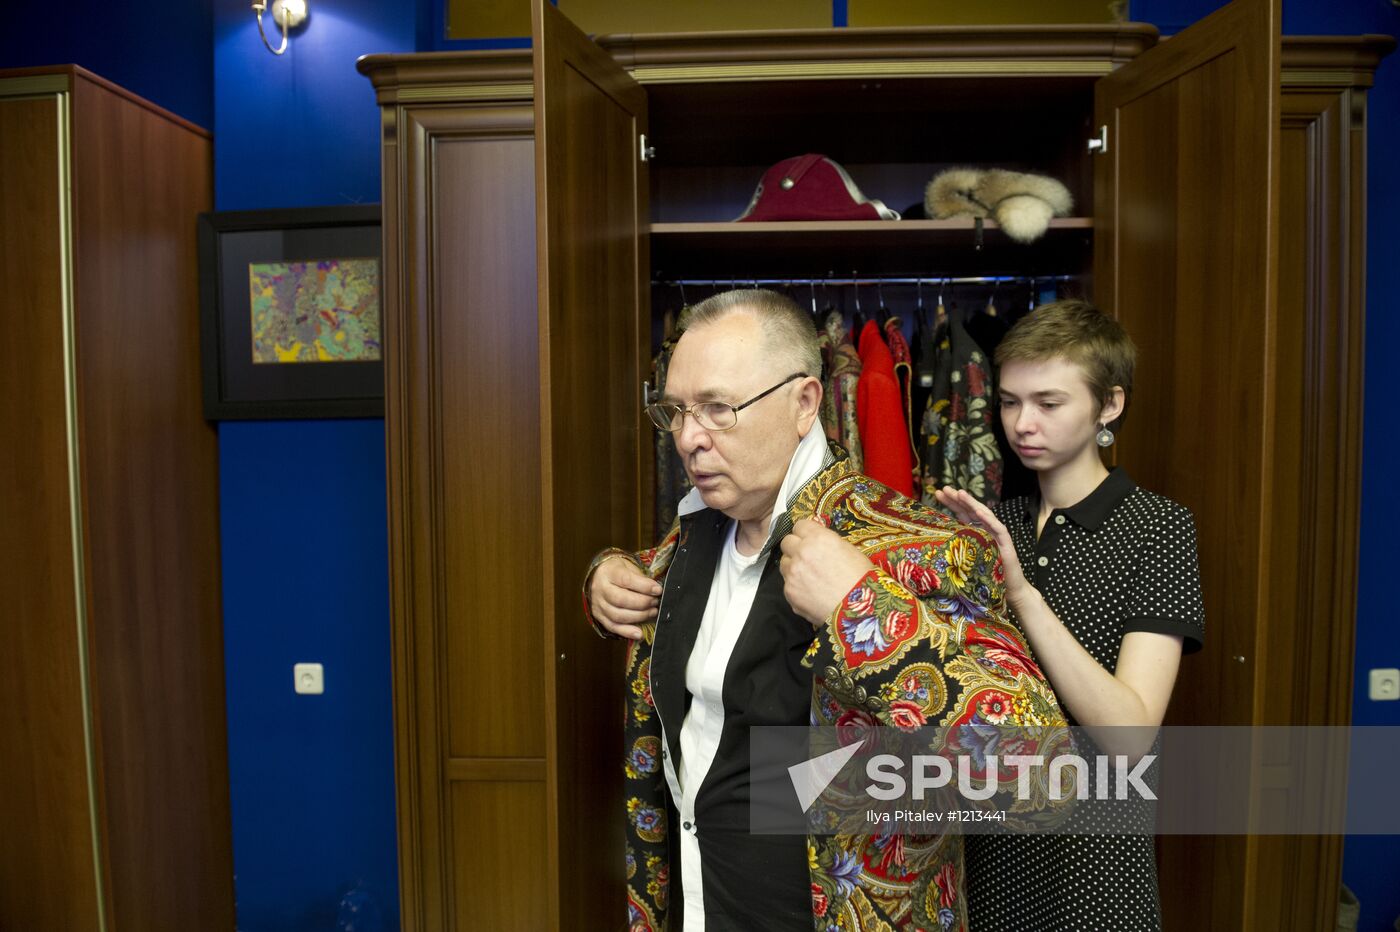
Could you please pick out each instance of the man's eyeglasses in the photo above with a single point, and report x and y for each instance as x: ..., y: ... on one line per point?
x: 711, y: 415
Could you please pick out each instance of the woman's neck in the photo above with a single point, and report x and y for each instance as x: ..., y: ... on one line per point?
x: 1071, y: 483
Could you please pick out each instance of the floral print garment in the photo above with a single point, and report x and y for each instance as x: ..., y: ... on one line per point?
x: 923, y: 638
x: 671, y: 481
x: 904, y: 375
x: 959, y: 442
x: 839, y: 389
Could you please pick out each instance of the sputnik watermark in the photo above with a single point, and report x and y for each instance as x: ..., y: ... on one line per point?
x: 858, y: 777
x: 889, y: 783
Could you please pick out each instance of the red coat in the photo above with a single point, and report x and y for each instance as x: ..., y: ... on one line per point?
x: 884, y: 434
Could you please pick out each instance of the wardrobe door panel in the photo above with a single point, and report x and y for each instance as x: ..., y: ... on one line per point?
x: 1185, y: 247
x: 461, y: 362
x: 150, y: 478
x: 498, y: 887
x: 593, y: 268
x: 487, y: 346
x: 1311, y: 635
x: 1185, y: 251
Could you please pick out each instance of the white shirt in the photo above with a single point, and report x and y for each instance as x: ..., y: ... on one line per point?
x: 732, y: 592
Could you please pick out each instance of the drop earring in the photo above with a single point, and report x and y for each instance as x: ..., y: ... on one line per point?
x: 1104, y: 437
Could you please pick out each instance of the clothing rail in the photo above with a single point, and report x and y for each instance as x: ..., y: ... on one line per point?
x: 874, y: 282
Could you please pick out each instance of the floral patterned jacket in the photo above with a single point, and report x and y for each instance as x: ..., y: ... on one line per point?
x: 923, y: 638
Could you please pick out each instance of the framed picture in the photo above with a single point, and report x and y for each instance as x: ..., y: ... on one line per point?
x: 290, y: 306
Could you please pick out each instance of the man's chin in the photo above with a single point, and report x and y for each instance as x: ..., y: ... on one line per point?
x: 716, y: 498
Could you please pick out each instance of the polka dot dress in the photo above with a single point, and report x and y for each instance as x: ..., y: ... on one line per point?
x: 1121, y: 560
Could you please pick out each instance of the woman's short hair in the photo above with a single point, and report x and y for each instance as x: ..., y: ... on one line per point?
x: 1081, y: 334
x: 789, y: 333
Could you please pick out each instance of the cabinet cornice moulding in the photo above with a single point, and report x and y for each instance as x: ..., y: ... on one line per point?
x: 1333, y: 60
x: 664, y: 58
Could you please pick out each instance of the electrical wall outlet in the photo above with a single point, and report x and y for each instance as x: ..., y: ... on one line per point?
x: 308, y: 679
x: 1385, y: 684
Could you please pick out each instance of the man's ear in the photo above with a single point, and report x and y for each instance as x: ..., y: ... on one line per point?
x: 809, y: 399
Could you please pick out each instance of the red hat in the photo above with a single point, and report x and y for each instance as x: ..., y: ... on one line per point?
x: 811, y: 187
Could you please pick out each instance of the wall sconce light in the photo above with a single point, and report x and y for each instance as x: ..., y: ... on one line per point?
x: 286, y: 13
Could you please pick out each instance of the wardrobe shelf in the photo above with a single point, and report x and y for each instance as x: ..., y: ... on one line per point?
x: 806, y: 248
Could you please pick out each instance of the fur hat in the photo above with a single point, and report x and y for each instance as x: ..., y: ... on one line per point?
x: 1022, y: 203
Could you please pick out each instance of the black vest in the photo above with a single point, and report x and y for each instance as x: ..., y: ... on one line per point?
x: 750, y: 881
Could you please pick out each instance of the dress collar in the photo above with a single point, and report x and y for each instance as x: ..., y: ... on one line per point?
x: 1092, y: 510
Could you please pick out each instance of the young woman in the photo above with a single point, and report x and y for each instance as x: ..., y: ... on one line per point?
x: 1102, y: 576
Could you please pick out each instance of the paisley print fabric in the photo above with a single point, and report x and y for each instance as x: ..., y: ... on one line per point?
x: 839, y: 387
x: 957, y: 427
x: 922, y: 639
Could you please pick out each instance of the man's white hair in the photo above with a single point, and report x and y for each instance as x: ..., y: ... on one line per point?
x: 789, y: 335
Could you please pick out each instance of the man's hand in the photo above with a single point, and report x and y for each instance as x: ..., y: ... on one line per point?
x: 623, y: 597
x: 819, y: 569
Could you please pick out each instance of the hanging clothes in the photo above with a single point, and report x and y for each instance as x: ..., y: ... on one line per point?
x: 987, y: 329
x: 883, y: 433
x: 936, y: 359
x: 959, y: 443
x: 839, y: 388
x: 671, y: 481
x: 904, y: 376
x: 827, y: 411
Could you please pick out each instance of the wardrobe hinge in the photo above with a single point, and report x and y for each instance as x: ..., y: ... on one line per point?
x: 1099, y: 144
x: 648, y: 152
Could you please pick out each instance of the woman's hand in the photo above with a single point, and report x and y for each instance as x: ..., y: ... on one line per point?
x: 967, y: 509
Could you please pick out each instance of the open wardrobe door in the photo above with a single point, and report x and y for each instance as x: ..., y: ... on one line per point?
x: 591, y: 226
x: 1186, y: 203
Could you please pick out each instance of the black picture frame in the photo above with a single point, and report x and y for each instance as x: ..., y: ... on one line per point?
x: 237, y: 388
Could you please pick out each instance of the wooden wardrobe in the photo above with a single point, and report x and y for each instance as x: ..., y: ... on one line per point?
x: 528, y: 204
x: 114, y: 810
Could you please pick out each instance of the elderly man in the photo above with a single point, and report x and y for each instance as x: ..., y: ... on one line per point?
x: 791, y: 590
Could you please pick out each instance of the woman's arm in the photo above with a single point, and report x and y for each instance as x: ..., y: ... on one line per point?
x: 1136, y: 694
x: 1121, y: 709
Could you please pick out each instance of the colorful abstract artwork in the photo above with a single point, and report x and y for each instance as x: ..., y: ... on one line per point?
x: 323, y: 311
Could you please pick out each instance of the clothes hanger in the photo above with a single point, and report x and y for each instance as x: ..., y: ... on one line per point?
x: 884, y: 310
x: 918, y: 311
x: 858, y: 318
x: 991, y: 309
x: 924, y: 350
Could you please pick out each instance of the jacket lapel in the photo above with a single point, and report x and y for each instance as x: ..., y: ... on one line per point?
x: 684, y: 597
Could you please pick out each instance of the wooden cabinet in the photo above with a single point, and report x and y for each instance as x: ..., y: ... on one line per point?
x: 114, y: 810
x: 524, y: 217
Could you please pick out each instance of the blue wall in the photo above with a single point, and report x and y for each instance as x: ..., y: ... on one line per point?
x: 302, y: 505
x: 305, y: 579
x: 163, y: 54
x: 301, y: 129
x: 1371, y: 866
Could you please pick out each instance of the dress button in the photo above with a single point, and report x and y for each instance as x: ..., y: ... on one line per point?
x: 1043, y: 561
x: 1059, y: 519
x: 686, y: 826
